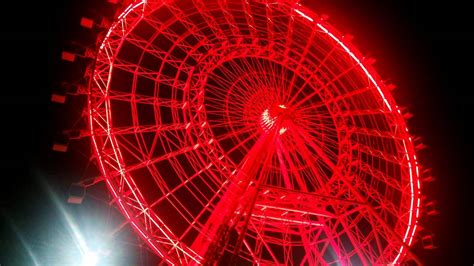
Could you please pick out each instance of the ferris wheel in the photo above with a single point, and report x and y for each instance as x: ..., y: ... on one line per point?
x: 251, y: 132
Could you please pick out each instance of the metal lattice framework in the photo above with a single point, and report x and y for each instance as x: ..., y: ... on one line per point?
x: 251, y: 131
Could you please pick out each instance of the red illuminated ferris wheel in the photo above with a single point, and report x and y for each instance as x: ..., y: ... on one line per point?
x: 251, y: 132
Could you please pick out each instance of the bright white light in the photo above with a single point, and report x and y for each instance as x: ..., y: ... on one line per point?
x: 304, y: 15
x: 89, y: 259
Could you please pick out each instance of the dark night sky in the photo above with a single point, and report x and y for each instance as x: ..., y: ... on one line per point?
x: 424, y: 47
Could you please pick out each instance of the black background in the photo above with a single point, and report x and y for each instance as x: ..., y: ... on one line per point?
x: 426, y: 48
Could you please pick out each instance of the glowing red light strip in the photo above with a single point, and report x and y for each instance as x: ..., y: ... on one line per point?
x: 349, y: 52
x: 304, y: 15
x: 411, y: 226
x: 292, y: 210
x: 287, y: 220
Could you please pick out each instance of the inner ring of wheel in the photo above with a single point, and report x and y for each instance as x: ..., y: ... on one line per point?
x: 267, y: 96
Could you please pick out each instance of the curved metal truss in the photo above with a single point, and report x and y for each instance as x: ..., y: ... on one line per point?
x: 251, y: 131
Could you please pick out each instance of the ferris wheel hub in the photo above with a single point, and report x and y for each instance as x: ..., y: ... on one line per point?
x: 277, y: 117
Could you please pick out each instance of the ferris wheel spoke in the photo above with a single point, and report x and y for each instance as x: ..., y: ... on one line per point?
x: 234, y: 124
x: 316, y: 173
x: 370, y: 209
x: 310, y: 113
x: 308, y: 244
x: 313, y: 117
x: 216, y: 101
x: 229, y: 18
x: 354, y: 240
x: 242, y: 131
x: 284, y: 170
x: 342, y: 74
x: 347, y: 95
x: 206, y: 13
x: 293, y: 164
x: 375, y: 198
x: 244, y: 69
x: 147, y: 47
x: 266, y: 245
x: 159, y: 28
x: 179, y: 41
x: 238, y: 127
x: 225, y: 78
x: 315, y: 105
x: 325, y: 86
x: 231, y: 199
x: 306, y: 49
x: 216, y: 95
x: 364, y: 112
x: 382, y: 177
x: 158, y: 159
x: 301, y: 88
x: 250, y: 19
x: 130, y: 148
x: 365, y: 238
x: 308, y: 249
x: 139, y: 70
x: 140, y: 129
x: 376, y: 235
x: 303, y: 138
x: 330, y: 241
x: 188, y: 181
x: 196, y: 224
x: 138, y: 99
x: 378, y: 133
x: 242, y: 143
x: 326, y: 138
x: 313, y: 94
x: 264, y: 74
x: 219, y: 84
x: 381, y: 154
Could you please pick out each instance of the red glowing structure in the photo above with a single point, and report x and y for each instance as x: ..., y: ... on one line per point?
x: 251, y: 131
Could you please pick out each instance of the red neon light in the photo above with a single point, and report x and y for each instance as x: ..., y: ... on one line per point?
x: 226, y: 133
